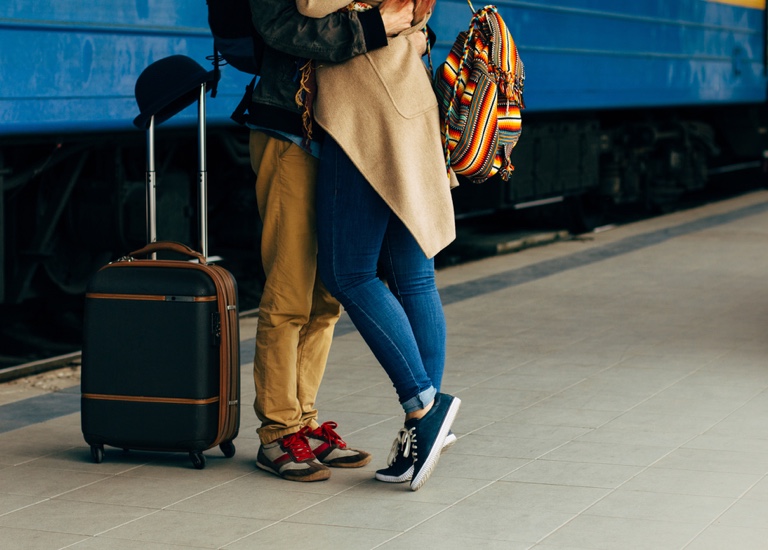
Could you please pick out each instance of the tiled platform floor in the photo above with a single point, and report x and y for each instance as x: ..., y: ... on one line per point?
x: 615, y: 396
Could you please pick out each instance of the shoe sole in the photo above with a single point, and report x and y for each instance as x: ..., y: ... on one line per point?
x: 318, y: 475
x: 408, y: 474
x: 358, y: 464
x: 405, y: 476
x: 434, y: 456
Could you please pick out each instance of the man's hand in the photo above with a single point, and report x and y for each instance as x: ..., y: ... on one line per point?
x: 396, y: 15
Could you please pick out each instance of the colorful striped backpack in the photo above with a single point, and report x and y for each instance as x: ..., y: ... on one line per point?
x: 480, y: 93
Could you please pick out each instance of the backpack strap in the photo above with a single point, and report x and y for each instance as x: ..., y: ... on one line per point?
x: 452, y: 106
x: 238, y: 115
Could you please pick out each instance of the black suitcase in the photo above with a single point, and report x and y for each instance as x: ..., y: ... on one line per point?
x: 161, y: 346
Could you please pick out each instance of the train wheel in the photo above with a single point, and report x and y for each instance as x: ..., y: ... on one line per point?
x: 586, y: 212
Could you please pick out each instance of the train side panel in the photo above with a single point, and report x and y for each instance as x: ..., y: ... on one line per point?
x: 602, y: 54
x: 71, y: 66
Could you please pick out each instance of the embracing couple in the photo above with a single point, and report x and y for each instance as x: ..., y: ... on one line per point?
x: 355, y: 203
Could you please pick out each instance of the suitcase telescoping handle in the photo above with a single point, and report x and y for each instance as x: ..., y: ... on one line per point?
x: 202, y: 172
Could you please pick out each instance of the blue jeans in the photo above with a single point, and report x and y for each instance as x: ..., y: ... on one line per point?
x: 403, y: 323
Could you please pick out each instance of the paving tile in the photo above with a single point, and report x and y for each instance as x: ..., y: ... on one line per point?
x: 536, y: 497
x: 501, y: 445
x: 685, y: 426
x: 101, y: 542
x: 606, y: 533
x: 717, y: 537
x: 32, y: 539
x: 727, y: 443
x: 413, y: 540
x: 514, y: 429
x: 453, y: 465
x: 77, y: 518
x: 643, y: 505
x: 581, y: 396
x: 246, y: 498
x: 10, y: 503
x: 319, y: 537
x: 580, y: 474
x: 170, y: 466
x: 607, y: 453
x: 135, y: 491
x: 44, y: 482
x: 369, y: 513
x: 689, y: 482
x: 759, y: 491
x: 543, y: 413
x: 708, y: 460
x: 470, y: 521
x: 189, y: 530
x: 439, y: 490
x: 497, y: 403
x: 542, y: 381
x: 751, y: 514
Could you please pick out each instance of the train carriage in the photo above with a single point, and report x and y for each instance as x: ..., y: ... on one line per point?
x: 627, y: 102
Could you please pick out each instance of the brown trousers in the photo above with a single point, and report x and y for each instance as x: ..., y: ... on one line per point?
x: 297, y: 314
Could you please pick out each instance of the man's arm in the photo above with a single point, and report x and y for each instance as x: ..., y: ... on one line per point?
x: 336, y: 37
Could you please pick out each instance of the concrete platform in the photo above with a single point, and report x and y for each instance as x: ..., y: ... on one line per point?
x: 615, y: 396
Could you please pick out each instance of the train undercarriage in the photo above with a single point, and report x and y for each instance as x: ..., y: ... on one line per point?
x: 73, y: 203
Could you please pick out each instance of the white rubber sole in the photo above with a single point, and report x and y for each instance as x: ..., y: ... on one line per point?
x: 450, y: 440
x: 434, y: 456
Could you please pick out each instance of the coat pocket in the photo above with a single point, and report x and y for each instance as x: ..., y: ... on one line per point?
x: 403, y: 77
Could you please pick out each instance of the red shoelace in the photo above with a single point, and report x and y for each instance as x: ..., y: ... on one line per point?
x: 326, y: 432
x: 298, y: 446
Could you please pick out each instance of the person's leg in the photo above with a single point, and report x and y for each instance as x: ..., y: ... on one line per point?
x: 285, y: 185
x: 285, y: 182
x: 411, y: 278
x: 352, y: 222
x: 313, y: 348
x: 297, y: 316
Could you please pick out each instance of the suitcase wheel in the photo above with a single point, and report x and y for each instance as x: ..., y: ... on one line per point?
x: 228, y: 448
x: 97, y: 453
x: 198, y: 459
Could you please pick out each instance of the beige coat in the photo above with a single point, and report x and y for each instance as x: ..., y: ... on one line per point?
x: 381, y: 109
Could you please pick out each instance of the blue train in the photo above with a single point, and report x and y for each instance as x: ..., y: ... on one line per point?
x: 627, y: 102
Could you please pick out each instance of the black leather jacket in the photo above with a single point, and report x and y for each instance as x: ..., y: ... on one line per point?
x: 291, y: 39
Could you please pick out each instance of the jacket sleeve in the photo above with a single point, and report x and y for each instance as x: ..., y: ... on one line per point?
x: 319, y: 8
x: 336, y: 37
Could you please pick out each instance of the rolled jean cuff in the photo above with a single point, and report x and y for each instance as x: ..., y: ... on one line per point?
x: 420, y: 401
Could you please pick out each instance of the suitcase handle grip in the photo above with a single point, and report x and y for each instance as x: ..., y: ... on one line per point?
x: 171, y: 246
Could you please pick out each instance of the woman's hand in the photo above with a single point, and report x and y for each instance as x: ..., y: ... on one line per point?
x: 397, y: 15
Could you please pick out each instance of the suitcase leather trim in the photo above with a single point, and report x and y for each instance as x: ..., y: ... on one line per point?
x: 151, y: 297
x: 143, y: 399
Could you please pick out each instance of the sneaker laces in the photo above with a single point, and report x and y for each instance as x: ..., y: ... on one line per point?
x: 298, y: 447
x: 326, y: 432
x: 405, y: 443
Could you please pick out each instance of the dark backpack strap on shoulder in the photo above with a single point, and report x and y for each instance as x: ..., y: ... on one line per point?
x: 239, y: 114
